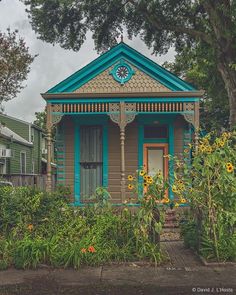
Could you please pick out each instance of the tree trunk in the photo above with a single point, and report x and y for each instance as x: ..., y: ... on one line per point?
x: 229, y: 77
x: 222, y: 23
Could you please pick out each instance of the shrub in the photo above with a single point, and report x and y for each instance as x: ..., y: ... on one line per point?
x: 210, y: 187
x: 43, y: 228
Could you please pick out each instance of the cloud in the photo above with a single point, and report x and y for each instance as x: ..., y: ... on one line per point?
x: 53, y: 63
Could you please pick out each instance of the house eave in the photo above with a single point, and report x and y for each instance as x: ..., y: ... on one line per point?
x: 74, y: 95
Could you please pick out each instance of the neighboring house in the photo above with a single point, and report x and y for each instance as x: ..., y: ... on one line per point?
x: 118, y: 114
x: 22, y: 147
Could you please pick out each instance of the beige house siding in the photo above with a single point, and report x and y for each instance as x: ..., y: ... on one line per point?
x: 105, y: 83
x: 179, y: 126
x: 69, y: 154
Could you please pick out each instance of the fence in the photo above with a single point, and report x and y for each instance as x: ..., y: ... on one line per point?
x: 38, y: 181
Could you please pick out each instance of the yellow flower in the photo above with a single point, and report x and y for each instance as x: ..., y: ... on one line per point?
x: 183, y: 201
x: 141, y: 173
x: 202, y: 148
x: 229, y: 167
x: 166, y: 200
x: 130, y: 178
x: 130, y: 186
x: 145, y: 184
x: 209, y: 149
x: 174, y: 189
x: 167, y: 156
x: 176, y: 205
x: 221, y: 143
x: 150, y: 181
x: 145, y: 177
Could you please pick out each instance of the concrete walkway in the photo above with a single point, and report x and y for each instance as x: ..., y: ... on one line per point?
x: 183, y: 275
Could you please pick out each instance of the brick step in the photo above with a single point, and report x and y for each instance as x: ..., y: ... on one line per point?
x: 171, y: 224
x: 170, y: 218
x: 171, y: 221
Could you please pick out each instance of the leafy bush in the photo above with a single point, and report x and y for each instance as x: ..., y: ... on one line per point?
x: 43, y: 228
x: 209, y: 184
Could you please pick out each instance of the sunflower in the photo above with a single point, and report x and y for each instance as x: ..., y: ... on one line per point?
x: 149, y: 180
x: 166, y: 200
x: 130, y: 186
x: 145, y: 184
x: 229, y: 167
x: 142, y: 172
x: 145, y: 177
x: 183, y: 201
x: 130, y: 178
x: 174, y: 189
x: 221, y: 143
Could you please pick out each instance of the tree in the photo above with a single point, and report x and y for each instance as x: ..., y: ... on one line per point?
x: 201, y: 71
x: 40, y: 120
x: 160, y: 24
x: 15, y: 61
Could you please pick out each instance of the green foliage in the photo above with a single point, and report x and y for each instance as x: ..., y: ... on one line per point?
x: 201, y: 70
x: 15, y: 61
x: 210, y: 187
x: 40, y: 120
x: 43, y: 228
x: 161, y: 24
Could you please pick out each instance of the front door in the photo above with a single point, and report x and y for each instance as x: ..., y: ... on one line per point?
x: 154, y: 160
x: 90, y: 160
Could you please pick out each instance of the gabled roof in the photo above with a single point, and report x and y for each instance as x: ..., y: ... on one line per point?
x: 8, y: 133
x: 130, y: 55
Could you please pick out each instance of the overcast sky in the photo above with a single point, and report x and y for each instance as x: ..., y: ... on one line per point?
x: 53, y: 64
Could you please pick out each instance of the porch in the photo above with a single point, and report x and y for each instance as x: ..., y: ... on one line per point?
x: 101, y: 141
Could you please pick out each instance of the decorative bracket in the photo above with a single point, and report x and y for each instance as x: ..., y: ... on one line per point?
x: 56, y: 111
x: 122, y: 113
x: 189, y: 117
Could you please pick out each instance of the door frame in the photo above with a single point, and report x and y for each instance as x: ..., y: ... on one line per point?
x: 165, y: 147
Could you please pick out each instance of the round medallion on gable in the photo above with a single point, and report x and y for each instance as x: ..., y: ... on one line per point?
x: 122, y: 72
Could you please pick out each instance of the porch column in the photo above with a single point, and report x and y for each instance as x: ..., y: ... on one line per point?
x: 49, y: 148
x: 122, y: 113
x: 122, y: 146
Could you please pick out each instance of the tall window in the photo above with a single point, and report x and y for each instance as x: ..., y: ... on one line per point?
x: 90, y: 160
x: 23, y: 162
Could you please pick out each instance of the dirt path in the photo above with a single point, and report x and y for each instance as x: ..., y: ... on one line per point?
x: 180, y: 257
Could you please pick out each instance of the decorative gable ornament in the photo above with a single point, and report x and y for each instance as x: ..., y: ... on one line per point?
x: 122, y: 72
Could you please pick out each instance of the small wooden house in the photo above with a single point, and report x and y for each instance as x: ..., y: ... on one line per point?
x: 118, y: 114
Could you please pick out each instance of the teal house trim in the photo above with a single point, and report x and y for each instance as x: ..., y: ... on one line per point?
x: 119, y: 53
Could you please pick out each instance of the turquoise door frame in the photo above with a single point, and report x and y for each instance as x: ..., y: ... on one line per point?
x: 156, y: 119
x: 101, y: 120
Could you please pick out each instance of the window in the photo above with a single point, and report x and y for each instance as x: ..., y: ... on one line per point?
x: 158, y: 131
x: 32, y: 170
x: 90, y: 160
x: 23, y: 162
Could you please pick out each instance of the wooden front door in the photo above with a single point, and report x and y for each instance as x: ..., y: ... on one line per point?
x: 154, y: 160
x: 90, y: 160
